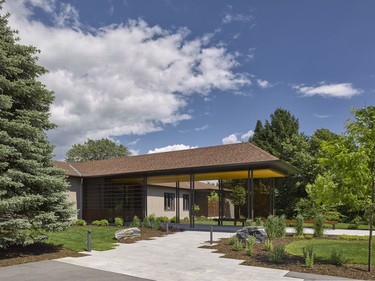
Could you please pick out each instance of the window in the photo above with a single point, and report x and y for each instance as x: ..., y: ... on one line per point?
x: 169, y: 201
x: 185, y: 202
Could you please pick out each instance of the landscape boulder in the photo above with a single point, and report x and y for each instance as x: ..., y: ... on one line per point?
x: 127, y: 233
x: 257, y: 231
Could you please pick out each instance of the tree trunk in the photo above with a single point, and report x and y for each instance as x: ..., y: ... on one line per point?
x: 371, y: 227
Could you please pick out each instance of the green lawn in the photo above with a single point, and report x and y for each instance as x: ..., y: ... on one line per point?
x: 355, y: 251
x: 75, y: 238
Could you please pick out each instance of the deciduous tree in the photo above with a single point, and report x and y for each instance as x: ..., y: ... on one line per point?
x: 96, y: 150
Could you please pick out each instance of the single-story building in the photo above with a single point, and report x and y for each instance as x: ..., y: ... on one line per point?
x: 168, y: 184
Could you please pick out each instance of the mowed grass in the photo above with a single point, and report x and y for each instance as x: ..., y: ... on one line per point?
x: 75, y: 238
x: 355, y: 251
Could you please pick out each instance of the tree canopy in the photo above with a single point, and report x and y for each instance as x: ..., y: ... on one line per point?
x: 33, y: 194
x: 96, y: 150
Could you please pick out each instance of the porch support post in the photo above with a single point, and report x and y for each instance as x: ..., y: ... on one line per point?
x: 221, y: 202
x: 248, y: 194
x: 144, y: 196
x: 177, y: 202
x: 252, y: 195
x: 192, y: 202
x: 273, y: 198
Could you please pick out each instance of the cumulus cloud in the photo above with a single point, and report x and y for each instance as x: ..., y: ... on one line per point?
x: 246, y: 136
x: 264, y: 84
x: 171, y: 148
x: 230, y: 139
x: 341, y: 90
x: 120, y: 79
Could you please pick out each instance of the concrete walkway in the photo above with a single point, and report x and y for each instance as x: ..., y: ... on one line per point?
x: 178, y: 257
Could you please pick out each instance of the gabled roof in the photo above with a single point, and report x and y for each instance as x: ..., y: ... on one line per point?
x: 231, y: 157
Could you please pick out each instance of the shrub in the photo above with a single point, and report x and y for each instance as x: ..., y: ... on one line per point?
x: 280, y: 227
x: 156, y: 224
x: 232, y: 239
x: 277, y: 255
x: 80, y: 222
x: 248, y: 222
x: 319, y: 225
x: 270, y: 226
x: 186, y: 219
x: 202, y: 218
x: 119, y: 221
x: 258, y: 221
x: 163, y: 219
x: 146, y: 223
x: 338, y: 257
x: 152, y: 218
x: 250, y: 245
x: 174, y: 219
x: 298, y: 226
x: 309, y: 255
x: 268, y: 246
x: 136, y: 222
x: 100, y: 223
x: 237, y: 246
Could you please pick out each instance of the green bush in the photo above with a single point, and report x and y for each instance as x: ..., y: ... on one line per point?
x: 186, y: 219
x: 173, y: 220
x: 298, y: 226
x: 163, y: 219
x: 270, y: 227
x: 277, y: 255
x: 249, y: 222
x: 237, y: 246
x: 119, y: 221
x: 80, y: 222
x: 152, y: 218
x: 100, y: 222
x: 309, y: 255
x: 202, y: 218
x: 250, y: 245
x: 146, y: 223
x: 319, y: 225
x: 280, y: 227
x: 258, y: 221
x: 268, y: 246
x: 136, y: 222
x: 338, y: 257
x: 156, y: 224
x: 232, y: 239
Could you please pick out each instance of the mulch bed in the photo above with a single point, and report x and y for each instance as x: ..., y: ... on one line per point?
x: 291, y: 263
x: 42, y: 251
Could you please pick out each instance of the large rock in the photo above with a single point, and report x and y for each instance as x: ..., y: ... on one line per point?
x: 257, y: 231
x: 127, y: 233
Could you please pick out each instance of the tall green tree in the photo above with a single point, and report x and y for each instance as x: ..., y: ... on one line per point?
x: 238, y: 197
x: 96, y: 150
x: 33, y: 194
x: 352, y: 160
x: 281, y: 137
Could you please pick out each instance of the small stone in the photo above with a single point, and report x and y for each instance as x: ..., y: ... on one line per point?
x: 258, y: 232
x: 127, y: 233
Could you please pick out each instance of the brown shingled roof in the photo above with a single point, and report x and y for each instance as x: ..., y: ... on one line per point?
x: 68, y: 168
x: 205, y: 157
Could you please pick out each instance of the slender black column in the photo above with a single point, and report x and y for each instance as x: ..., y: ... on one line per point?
x: 177, y: 201
x: 221, y: 202
x: 252, y: 194
x: 191, y: 209
x: 144, y: 196
x: 248, y: 195
x: 273, y: 198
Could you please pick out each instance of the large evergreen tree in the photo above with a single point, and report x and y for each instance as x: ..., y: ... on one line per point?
x: 33, y: 194
x: 96, y: 150
x: 281, y: 137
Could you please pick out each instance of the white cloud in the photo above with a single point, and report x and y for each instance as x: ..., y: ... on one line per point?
x: 205, y: 127
x: 134, y: 142
x: 246, y: 136
x: 230, y: 139
x: 341, y: 90
x: 171, y: 148
x: 230, y: 17
x: 322, y: 116
x: 264, y: 84
x: 134, y: 152
x: 120, y: 79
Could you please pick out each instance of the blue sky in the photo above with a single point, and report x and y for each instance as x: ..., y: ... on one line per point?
x: 165, y: 74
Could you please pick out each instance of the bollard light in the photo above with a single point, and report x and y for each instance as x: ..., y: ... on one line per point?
x: 88, y: 241
x: 211, y: 230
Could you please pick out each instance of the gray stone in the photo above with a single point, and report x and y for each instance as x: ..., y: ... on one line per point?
x: 127, y: 233
x: 257, y: 231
